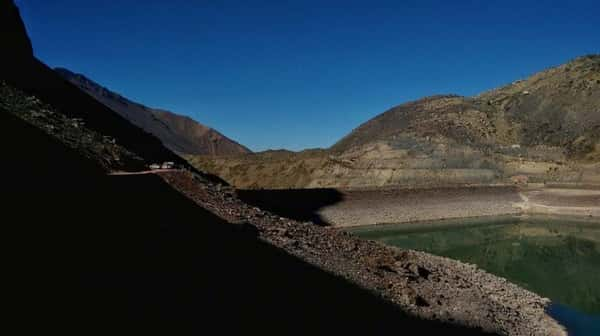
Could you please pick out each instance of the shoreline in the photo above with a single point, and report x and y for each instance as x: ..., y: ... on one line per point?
x: 472, y: 221
x: 360, y: 208
x: 438, y: 223
x: 422, y: 285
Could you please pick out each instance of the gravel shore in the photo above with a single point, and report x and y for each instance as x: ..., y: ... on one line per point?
x: 369, y: 207
x: 423, y: 285
x: 372, y: 207
x: 561, y: 202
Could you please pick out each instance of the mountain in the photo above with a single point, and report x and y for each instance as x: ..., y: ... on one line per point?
x: 556, y: 107
x: 179, y: 133
x: 545, y: 128
x: 13, y: 34
x: 94, y: 250
x: 20, y: 69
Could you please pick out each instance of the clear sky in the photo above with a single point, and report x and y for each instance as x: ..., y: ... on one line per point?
x: 301, y: 74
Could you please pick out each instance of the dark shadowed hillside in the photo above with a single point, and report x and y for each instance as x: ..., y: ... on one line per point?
x: 94, y: 249
x: 13, y: 34
x: 90, y: 252
x: 179, y: 133
x: 22, y: 70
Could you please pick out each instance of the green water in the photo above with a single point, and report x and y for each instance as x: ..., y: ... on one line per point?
x: 558, y: 259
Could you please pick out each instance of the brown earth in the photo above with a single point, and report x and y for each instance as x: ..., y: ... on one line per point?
x: 561, y: 201
x: 364, y: 207
x: 546, y: 128
x: 179, y: 133
x: 370, y: 207
x: 424, y: 285
x: 138, y: 257
x: 90, y: 251
x: 96, y: 253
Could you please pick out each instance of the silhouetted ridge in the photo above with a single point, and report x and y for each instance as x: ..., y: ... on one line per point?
x: 13, y: 36
x: 91, y: 252
x: 20, y: 69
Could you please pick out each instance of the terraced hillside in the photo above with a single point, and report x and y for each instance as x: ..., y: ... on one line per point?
x: 543, y: 128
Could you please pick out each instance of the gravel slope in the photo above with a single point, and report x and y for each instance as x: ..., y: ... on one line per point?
x: 427, y: 286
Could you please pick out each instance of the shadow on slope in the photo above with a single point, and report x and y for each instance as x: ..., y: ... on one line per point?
x: 37, y: 79
x: 90, y: 251
x: 19, y: 68
x: 298, y: 204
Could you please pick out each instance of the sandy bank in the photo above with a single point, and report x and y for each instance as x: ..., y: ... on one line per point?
x: 405, y: 205
x: 566, y: 202
x: 370, y: 207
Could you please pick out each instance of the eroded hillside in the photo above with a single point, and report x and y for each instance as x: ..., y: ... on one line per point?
x: 173, y: 251
x: 177, y: 132
x: 544, y: 128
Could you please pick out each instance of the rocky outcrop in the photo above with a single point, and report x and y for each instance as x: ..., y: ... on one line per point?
x: 179, y: 133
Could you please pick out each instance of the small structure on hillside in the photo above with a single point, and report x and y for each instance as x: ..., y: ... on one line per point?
x: 168, y: 165
x: 164, y: 165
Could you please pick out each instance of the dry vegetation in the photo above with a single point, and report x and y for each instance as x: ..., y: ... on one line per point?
x: 545, y: 128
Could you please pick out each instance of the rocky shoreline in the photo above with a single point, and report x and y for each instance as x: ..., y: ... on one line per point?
x: 393, y: 206
x: 427, y: 286
x: 370, y: 207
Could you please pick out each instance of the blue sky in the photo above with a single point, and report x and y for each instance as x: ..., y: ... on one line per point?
x: 302, y: 74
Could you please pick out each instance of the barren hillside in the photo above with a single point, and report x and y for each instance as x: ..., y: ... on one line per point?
x: 179, y: 133
x: 543, y: 128
x: 178, y: 251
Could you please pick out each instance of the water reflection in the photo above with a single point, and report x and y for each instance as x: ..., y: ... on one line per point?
x: 559, y: 259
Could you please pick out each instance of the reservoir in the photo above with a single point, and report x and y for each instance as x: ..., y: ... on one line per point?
x: 558, y: 258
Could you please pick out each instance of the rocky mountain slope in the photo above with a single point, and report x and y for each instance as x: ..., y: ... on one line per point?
x: 179, y: 133
x: 13, y: 34
x: 176, y: 251
x: 73, y: 133
x: 20, y: 69
x: 543, y: 128
x: 556, y: 107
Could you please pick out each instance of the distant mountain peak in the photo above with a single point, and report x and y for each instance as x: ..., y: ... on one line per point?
x: 178, y: 132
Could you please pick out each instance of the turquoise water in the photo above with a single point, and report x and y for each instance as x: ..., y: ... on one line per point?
x: 556, y: 258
